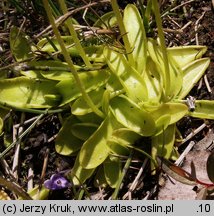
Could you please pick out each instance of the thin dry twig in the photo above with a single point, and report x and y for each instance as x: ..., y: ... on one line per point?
x: 181, y: 5
x: 45, y: 164
x: 173, y: 21
x: 207, y: 84
x: 2, y: 154
x: 148, y: 194
x: 30, y: 178
x: 178, y: 6
x: 25, y: 122
x: 192, y: 134
x: 197, y: 26
x: 175, y: 31
x: 184, y: 153
x: 200, y: 84
x: 186, y: 25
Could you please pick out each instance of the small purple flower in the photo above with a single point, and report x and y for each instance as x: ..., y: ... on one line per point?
x: 57, y: 182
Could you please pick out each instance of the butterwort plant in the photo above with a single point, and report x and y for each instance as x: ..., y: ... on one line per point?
x: 145, y: 95
x: 153, y: 82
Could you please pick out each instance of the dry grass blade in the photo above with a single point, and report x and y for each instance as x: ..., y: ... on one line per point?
x: 192, y: 134
x: 185, y: 152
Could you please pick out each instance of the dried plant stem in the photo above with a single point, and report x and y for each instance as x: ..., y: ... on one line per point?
x: 184, y: 153
x: 30, y: 178
x: 45, y: 164
x: 200, y: 84
x: 192, y: 134
x: 207, y: 84
x: 186, y: 25
x: 16, y: 159
x: 173, y: 21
